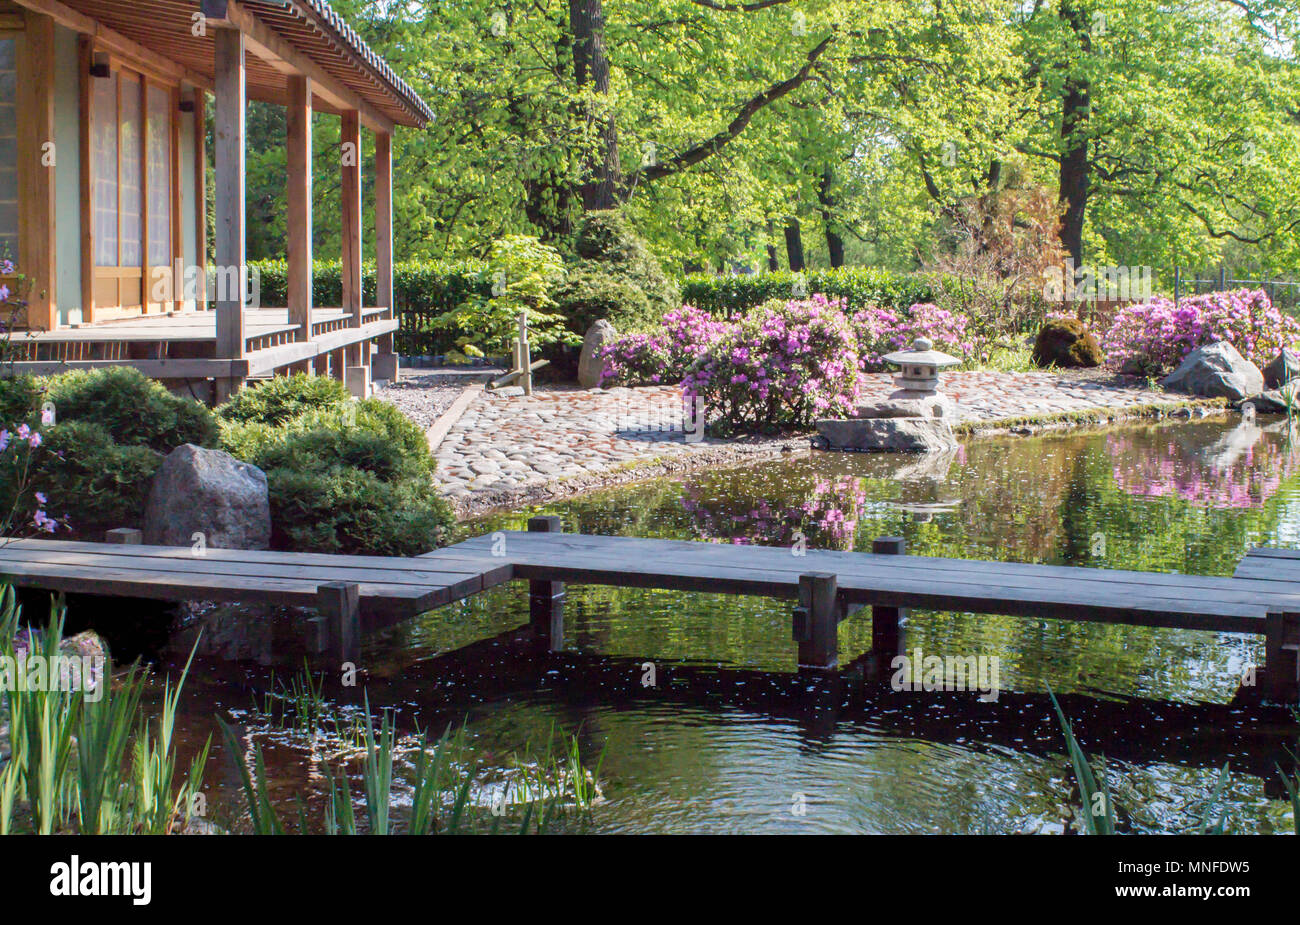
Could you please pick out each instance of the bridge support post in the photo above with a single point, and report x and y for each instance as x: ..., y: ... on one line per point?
x: 546, y: 598
x: 816, y: 621
x: 339, y: 602
x: 887, y: 622
x: 1281, y: 666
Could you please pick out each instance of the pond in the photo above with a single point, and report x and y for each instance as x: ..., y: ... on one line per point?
x: 691, y: 704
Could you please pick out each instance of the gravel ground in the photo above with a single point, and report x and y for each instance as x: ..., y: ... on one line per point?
x: 422, y: 396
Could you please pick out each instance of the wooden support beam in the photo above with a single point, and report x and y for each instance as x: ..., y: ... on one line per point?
x: 816, y: 620
x: 384, y: 232
x: 229, y: 155
x: 298, y: 145
x: 546, y: 598
x: 86, y: 179
x: 339, y: 603
x: 201, y: 196
x: 350, y: 228
x: 887, y: 622
x: 1281, y: 665
x: 36, y: 165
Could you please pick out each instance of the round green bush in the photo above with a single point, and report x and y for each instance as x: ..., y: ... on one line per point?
x: 1067, y: 343
x: 134, y: 409
x: 283, y: 398
x: 20, y: 397
x: 354, y: 511
x: 91, y: 482
x: 613, y: 276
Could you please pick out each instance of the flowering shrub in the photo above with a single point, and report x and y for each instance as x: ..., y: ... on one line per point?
x: 1156, y: 335
x: 782, y: 365
x: 664, y: 357
x: 884, y: 330
x: 22, y: 505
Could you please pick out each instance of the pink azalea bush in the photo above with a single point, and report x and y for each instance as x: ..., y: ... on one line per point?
x: 665, y: 356
x: 21, y: 507
x: 883, y: 330
x: 1155, y: 335
x: 782, y: 365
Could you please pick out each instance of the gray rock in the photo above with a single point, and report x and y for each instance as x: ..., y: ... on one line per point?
x: 590, y: 365
x: 210, y: 492
x: 1282, y: 369
x: 908, y: 404
x: 1216, y: 371
x: 1270, y: 402
x: 888, y: 435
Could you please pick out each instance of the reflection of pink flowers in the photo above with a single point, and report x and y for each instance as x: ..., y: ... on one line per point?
x: 1165, y: 469
x: 827, y: 516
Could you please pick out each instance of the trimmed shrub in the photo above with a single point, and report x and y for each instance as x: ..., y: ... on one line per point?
x: 354, y: 511
x: 783, y: 366
x: 134, y: 409
x: 1066, y: 342
x: 93, y: 483
x: 613, y: 276
x: 283, y: 398
x: 856, y: 287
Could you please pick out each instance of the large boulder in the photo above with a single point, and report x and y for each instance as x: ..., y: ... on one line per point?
x: 591, y: 363
x: 1216, y: 371
x: 1282, y: 369
x: 206, y: 491
x: 1066, y: 343
x: 909, y: 404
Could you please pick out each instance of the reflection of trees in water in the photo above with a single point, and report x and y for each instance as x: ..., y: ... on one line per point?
x: 823, y: 512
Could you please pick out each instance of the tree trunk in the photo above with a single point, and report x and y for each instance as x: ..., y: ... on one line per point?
x: 1075, y: 165
x: 591, y: 69
x: 834, y: 243
x: 773, y: 262
x: 794, y: 245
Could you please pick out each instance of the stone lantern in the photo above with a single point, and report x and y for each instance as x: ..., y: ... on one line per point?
x: 920, y: 369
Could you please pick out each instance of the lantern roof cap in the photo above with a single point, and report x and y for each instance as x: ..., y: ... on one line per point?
x: 922, y: 353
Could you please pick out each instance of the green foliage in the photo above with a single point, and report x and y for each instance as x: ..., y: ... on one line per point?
x: 356, y: 478
x: 282, y: 398
x: 1066, y: 342
x: 135, y: 409
x: 524, y: 275
x: 20, y: 399
x: 91, y: 481
x: 857, y: 286
x: 614, y: 276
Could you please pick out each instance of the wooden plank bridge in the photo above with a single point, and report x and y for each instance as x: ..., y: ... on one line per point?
x: 354, y: 593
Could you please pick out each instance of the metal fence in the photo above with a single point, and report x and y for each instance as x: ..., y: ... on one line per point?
x: 1283, y: 293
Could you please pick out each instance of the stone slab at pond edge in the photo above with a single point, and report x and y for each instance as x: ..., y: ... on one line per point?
x: 197, y: 490
x: 888, y: 435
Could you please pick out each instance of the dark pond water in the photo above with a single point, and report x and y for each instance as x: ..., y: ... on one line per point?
x: 730, y: 738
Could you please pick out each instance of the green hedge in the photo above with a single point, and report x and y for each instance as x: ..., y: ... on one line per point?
x: 732, y: 295
x: 421, y: 291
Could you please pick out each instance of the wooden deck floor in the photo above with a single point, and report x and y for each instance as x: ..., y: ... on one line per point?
x: 1263, y: 599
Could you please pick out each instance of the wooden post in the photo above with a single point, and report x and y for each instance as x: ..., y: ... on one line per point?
x: 230, y: 241
x: 340, y: 604
x: 1281, y: 667
x: 525, y: 356
x: 298, y: 219
x: 384, y: 236
x: 36, y: 164
x: 201, y: 198
x: 1178, y: 285
x: 886, y: 622
x: 128, y: 535
x: 86, y: 180
x: 350, y: 177
x: 546, y: 598
x: 816, y: 620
